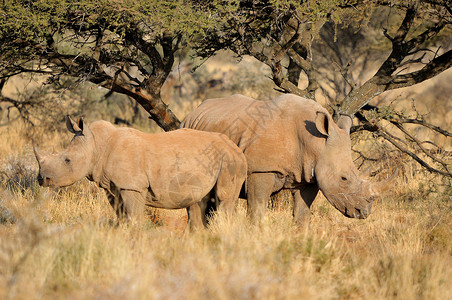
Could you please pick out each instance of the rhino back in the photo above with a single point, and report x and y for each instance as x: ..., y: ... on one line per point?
x: 224, y: 115
x: 276, y: 136
x: 176, y: 167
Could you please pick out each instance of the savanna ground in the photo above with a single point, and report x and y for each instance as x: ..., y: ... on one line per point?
x: 61, y: 244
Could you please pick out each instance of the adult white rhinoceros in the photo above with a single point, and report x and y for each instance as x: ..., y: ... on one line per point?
x: 292, y: 143
x: 180, y: 169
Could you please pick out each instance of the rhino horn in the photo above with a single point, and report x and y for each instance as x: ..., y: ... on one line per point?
x: 345, y: 123
x: 37, y: 155
x: 383, y: 185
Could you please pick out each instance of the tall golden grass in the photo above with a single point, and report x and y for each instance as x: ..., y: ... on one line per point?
x: 57, y: 244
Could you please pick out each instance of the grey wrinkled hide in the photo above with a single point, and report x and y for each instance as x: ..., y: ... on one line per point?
x: 184, y: 168
x: 291, y: 143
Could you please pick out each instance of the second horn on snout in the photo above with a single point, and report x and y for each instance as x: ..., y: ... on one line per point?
x: 37, y: 155
x: 383, y: 185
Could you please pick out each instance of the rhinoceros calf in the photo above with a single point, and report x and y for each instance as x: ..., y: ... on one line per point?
x: 184, y: 168
x: 292, y: 143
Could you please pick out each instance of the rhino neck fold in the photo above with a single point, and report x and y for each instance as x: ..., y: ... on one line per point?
x: 308, y: 172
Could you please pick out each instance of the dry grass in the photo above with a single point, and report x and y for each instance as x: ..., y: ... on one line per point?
x: 60, y: 244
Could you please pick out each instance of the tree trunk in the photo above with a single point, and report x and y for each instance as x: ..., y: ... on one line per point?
x: 153, y: 104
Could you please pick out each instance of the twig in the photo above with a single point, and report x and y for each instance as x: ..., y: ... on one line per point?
x: 392, y: 139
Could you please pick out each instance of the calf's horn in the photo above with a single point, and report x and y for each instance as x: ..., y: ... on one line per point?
x: 38, y: 156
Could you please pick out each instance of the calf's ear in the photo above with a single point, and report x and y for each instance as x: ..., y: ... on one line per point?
x: 74, y: 127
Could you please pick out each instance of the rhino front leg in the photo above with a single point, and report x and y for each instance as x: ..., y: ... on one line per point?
x: 117, y: 204
x: 259, y: 188
x: 303, y: 199
x: 134, y: 205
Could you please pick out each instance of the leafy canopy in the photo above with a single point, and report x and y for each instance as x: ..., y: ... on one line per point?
x: 25, y: 25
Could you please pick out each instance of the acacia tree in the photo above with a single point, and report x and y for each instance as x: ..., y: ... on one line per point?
x: 128, y: 47
x: 283, y: 35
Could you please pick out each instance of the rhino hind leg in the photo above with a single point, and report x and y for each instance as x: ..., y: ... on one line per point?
x: 208, y: 207
x: 195, y: 217
x: 303, y: 199
x: 228, y: 187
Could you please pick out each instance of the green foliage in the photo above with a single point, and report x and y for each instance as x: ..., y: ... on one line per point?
x: 318, y: 10
x: 27, y: 27
x: 32, y: 18
x: 245, y: 23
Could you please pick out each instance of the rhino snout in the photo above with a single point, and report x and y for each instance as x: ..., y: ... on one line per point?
x: 358, y: 213
x: 44, y: 181
x: 362, y: 213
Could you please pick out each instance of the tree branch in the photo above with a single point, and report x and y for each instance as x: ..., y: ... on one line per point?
x: 431, y: 69
x: 390, y: 138
x: 399, y: 47
x: 419, y: 144
x: 384, y: 79
x: 423, y: 123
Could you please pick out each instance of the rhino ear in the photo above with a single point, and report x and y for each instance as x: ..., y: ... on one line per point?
x: 322, y: 123
x: 74, y: 127
x: 81, y: 122
x: 345, y: 123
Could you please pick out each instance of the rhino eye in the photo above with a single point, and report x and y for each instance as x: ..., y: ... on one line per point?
x: 344, y: 178
x: 67, y: 160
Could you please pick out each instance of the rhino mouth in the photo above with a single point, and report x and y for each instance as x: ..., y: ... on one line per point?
x: 358, y: 208
x: 356, y: 213
x: 40, y: 180
x: 45, y: 182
